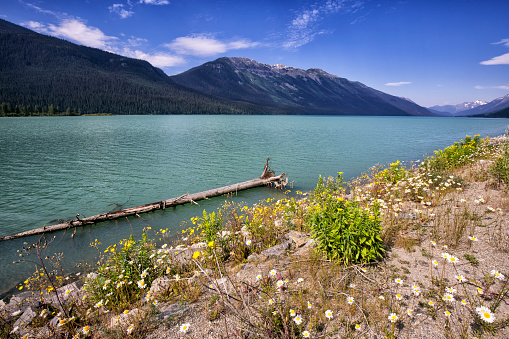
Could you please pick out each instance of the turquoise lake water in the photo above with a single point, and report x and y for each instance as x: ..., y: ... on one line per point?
x: 55, y: 167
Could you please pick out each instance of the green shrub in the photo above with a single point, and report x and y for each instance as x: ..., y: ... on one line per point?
x: 453, y: 156
x: 344, y: 230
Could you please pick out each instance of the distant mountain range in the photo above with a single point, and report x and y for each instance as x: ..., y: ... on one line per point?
x: 497, y: 108
x: 41, y: 75
x: 453, y: 109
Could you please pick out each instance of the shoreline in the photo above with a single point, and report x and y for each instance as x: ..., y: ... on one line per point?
x: 400, y: 254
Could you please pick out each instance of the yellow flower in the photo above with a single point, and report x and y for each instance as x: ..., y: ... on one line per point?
x: 211, y: 243
x: 196, y: 254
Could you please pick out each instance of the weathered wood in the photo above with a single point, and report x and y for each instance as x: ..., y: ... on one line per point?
x: 267, y: 178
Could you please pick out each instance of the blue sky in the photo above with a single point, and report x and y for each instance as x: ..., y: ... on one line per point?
x: 433, y: 52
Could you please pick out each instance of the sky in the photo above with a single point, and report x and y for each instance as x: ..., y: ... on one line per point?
x: 433, y: 52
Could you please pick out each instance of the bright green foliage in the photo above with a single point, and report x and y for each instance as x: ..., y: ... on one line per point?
x: 345, y: 231
x: 117, y: 281
x: 210, y: 224
x: 453, y: 156
x: 500, y: 169
x: 393, y: 174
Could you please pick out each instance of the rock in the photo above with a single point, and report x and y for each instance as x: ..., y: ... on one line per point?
x: 172, y: 310
x: 277, y: 250
x: 160, y: 286
x: 310, y: 243
x: 21, y: 301
x: 26, y: 318
x: 66, y: 294
x: 298, y: 238
x: 256, y: 257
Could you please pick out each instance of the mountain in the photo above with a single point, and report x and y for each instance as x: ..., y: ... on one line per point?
x: 39, y: 71
x: 494, y: 106
x: 453, y: 109
x: 40, y: 74
x: 311, y: 91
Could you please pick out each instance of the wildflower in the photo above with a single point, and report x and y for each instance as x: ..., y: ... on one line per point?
x: 144, y: 274
x: 248, y: 242
x: 297, y: 319
x: 44, y: 313
x: 433, y: 243
x: 211, y: 243
x: 409, y: 312
x: 271, y: 301
x: 141, y: 284
x: 398, y: 281
x: 328, y: 314
x: 62, y: 322
x: 453, y: 259
x: 472, y: 238
x: 399, y: 296
x: 130, y: 329
x: 447, y: 313
x: 196, y: 254
x: 435, y: 263
x: 280, y: 283
x: 445, y: 255
x: 363, y: 269
x: 184, y: 327
x: 479, y: 290
x: 14, y: 330
x: 350, y: 300
x: 460, y: 278
x: 258, y: 277
x: 431, y: 303
x: 497, y: 274
x: 18, y: 312
x: 273, y: 272
x: 274, y: 312
x: 381, y: 297
x: 392, y: 317
x: 306, y: 334
x: 464, y: 302
x: 309, y: 304
x: 448, y: 297
x: 300, y: 280
x: 450, y: 290
x: 486, y: 315
x: 99, y: 304
x: 292, y: 313
x: 357, y: 327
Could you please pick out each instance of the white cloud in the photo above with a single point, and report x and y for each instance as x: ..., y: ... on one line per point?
x: 34, y: 25
x: 303, y: 29
x: 504, y: 87
x: 76, y: 30
x: 156, y: 59
x: 154, y: 2
x: 203, y: 45
x: 119, y: 9
x: 401, y: 83
x: 499, y: 60
x: 505, y: 42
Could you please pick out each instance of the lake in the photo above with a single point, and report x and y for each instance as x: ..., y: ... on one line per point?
x: 55, y: 167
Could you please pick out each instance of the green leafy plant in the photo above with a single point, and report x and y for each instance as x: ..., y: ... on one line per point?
x: 345, y: 231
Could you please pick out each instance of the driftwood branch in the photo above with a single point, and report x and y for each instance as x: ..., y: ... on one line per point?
x: 267, y: 178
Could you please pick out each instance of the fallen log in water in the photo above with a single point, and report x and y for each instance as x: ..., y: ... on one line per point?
x: 268, y: 177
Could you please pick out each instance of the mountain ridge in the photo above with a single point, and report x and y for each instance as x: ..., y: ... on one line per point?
x: 312, y: 90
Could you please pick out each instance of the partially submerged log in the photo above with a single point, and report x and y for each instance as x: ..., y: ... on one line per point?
x: 268, y: 177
